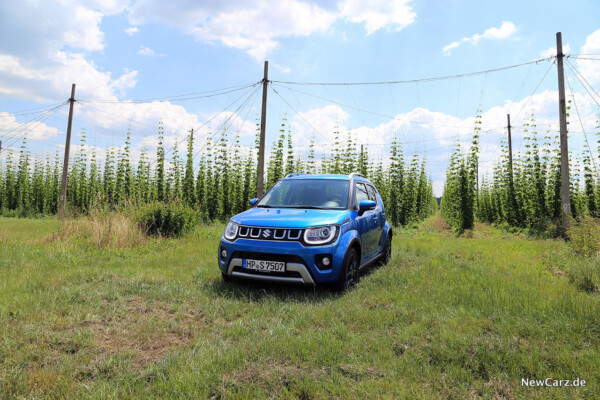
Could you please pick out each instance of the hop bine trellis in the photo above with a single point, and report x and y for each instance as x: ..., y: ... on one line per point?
x: 527, y: 191
x: 222, y: 186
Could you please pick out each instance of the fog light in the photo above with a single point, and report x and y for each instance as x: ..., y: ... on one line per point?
x: 326, y: 261
x: 224, y: 253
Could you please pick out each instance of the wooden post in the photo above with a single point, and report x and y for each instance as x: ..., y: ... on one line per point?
x: 63, y: 191
x: 263, y: 123
x: 510, y: 160
x: 564, y: 144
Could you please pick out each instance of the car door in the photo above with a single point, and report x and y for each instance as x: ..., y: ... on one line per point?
x: 365, y: 222
x: 378, y: 218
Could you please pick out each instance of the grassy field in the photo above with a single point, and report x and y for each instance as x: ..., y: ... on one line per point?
x: 447, y: 318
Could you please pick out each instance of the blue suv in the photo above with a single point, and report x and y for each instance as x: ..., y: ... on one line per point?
x: 308, y: 229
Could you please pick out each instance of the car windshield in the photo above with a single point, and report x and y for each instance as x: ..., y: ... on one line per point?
x: 308, y: 193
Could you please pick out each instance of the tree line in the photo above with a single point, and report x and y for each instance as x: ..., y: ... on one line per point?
x: 218, y: 185
x: 525, y: 194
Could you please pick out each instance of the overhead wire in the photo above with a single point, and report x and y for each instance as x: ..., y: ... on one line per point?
x: 182, y: 97
x: 433, y: 79
x: 582, y: 127
x: 23, y: 130
x: 582, y: 79
x: 168, y: 131
x: 301, y: 116
x: 371, y: 112
x: 152, y: 162
x: 237, y: 135
x: 223, y: 124
x: 32, y: 110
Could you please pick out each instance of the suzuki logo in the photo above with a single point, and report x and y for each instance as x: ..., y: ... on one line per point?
x: 266, y: 233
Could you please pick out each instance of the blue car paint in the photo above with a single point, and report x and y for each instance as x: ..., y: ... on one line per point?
x: 291, y: 217
x: 353, y: 230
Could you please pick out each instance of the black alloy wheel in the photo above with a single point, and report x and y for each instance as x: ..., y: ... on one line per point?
x: 387, y: 250
x: 350, y: 274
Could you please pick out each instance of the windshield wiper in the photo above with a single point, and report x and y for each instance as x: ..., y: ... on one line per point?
x: 264, y: 206
x: 312, y: 207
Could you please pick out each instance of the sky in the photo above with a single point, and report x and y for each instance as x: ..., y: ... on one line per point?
x: 197, y: 64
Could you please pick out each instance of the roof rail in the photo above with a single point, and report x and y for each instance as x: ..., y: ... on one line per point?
x: 295, y: 174
x: 352, y: 175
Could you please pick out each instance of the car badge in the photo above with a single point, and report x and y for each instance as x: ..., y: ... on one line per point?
x: 266, y: 233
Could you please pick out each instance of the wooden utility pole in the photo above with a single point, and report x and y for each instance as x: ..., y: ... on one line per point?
x: 510, y: 162
x: 0, y: 146
x: 263, y: 123
x: 63, y: 191
x: 564, y: 144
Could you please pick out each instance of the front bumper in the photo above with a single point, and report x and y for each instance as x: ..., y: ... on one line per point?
x: 301, y: 261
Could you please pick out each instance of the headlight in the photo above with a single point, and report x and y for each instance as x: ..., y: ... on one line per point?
x: 231, y: 231
x: 320, y: 235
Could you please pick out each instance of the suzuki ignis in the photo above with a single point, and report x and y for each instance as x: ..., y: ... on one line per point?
x: 308, y: 229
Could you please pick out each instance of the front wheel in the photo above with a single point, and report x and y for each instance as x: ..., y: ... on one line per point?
x: 387, y: 250
x: 349, y: 274
x: 225, y: 277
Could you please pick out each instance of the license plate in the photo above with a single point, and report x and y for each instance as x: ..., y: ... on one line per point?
x: 267, y: 266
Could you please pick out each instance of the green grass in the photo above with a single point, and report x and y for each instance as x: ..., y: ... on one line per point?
x: 447, y: 318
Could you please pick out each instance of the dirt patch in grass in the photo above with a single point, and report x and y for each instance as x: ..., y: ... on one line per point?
x: 483, y: 229
x: 264, y: 373
x: 436, y: 225
x: 144, y: 331
x: 273, y: 371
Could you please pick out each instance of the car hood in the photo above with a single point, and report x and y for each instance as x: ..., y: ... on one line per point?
x: 290, y: 217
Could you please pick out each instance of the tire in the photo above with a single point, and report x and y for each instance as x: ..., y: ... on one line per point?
x: 225, y: 277
x: 349, y: 274
x: 387, y: 251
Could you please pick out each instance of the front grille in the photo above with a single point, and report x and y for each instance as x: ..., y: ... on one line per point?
x: 264, y: 233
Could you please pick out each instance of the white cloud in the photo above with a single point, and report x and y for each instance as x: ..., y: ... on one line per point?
x: 85, y: 31
x: 320, y: 123
x: 11, y: 130
x: 433, y: 133
x: 505, y: 30
x: 55, y: 38
x: 147, y: 51
x: 282, y: 68
x: 126, y: 81
x: 379, y: 14
x: 589, y: 68
x: 49, y: 79
x: 551, y: 51
x: 132, y: 30
x: 257, y: 27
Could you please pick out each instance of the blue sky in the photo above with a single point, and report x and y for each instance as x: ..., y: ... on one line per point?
x: 118, y: 51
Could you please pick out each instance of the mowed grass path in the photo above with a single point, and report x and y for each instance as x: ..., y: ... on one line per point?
x: 447, y: 318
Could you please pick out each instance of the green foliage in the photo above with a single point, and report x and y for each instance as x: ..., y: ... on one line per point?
x: 170, y: 219
x: 528, y: 195
x: 585, y: 237
x: 217, y: 187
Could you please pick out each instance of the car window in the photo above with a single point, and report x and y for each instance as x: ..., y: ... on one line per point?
x: 361, y: 193
x: 307, y: 193
x: 372, y: 193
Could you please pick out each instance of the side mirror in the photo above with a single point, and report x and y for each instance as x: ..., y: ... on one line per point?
x: 253, y: 202
x: 366, y: 205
